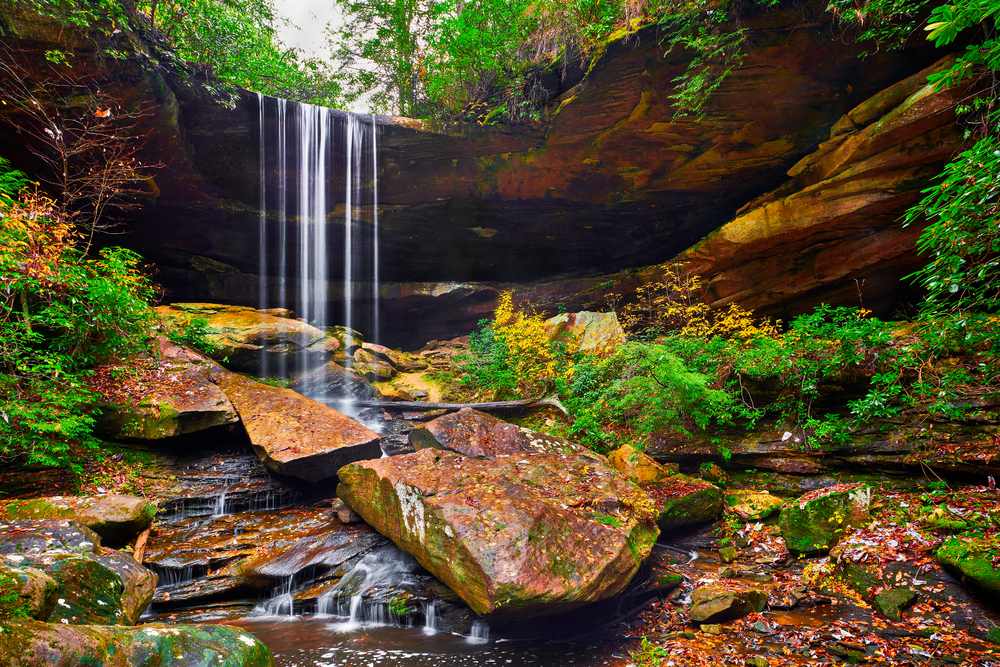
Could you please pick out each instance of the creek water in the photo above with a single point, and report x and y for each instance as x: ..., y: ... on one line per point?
x: 329, y: 642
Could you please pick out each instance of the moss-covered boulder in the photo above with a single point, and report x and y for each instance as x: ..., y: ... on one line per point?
x: 241, y: 337
x: 816, y: 521
x: 891, y: 602
x: 34, y: 644
x: 716, y: 602
x: 752, y: 505
x: 973, y: 558
x: 27, y: 589
x: 514, y: 536
x: 93, y: 585
x: 179, y: 399
x: 474, y: 433
x: 24, y: 539
x: 116, y: 518
x: 684, y: 501
x: 639, y: 466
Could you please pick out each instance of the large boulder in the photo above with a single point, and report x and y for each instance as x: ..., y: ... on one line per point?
x: 116, y: 518
x: 247, y: 339
x: 294, y: 435
x: 817, y: 520
x: 179, y: 398
x: 514, y: 536
x: 684, y: 501
x: 93, y: 585
x: 474, y: 433
x: 34, y: 644
x: 593, y: 333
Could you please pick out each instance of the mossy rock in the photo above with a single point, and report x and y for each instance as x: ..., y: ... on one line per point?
x: 753, y: 505
x: 33, y: 592
x: 35, y: 644
x: 111, y: 589
x: 816, y: 521
x: 892, y: 602
x: 684, y: 501
x: 116, y: 518
x: 972, y: 559
x: 714, y: 603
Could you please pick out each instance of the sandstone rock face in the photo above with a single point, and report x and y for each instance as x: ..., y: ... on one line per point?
x: 515, y: 536
x: 835, y: 220
x: 594, y: 333
x: 474, y: 433
x: 241, y: 335
x: 714, y: 603
x: 817, y: 520
x: 294, y: 435
x: 116, y: 518
x: 607, y: 180
x: 684, y: 501
x: 33, y: 644
x: 180, y: 399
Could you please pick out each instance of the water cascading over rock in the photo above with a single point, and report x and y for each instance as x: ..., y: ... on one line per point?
x: 318, y: 224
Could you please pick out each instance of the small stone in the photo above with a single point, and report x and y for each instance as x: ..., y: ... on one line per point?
x: 347, y: 515
x: 726, y: 572
x: 715, y: 602
x: 758, y: 661
x: 710, y: 472
x: 728, y: 554
x: 711, y: 629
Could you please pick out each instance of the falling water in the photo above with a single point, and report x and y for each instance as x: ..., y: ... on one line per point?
x: 305, y: 136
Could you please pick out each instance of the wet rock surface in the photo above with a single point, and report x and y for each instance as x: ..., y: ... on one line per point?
x: 29, y: 644
x: 817, y: 521
x: 514, y: 536
x: 295, y: 435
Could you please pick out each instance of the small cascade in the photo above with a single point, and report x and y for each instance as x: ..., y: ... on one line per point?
x: 383, y: 568
x: 220, y: 504
x: 430, y: 617
x: 479, y: 633
x: 281, y: 603
x: 176, y: 576
x: 298, y: 235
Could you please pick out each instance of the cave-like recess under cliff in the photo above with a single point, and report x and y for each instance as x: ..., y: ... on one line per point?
x: 569, y: 209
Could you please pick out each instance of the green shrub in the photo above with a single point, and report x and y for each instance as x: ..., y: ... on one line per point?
x: 60, y: 314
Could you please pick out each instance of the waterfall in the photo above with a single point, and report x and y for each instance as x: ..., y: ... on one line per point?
x: 304, y: 152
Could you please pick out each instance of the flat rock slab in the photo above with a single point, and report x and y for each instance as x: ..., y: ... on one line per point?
x: 474, y: 433
x: 294, y: 435
x: 20, y: 540
x: 116, y: 518
x: 34, y: 644
x: 515, y: 536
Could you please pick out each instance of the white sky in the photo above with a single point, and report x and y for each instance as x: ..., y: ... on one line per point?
x: 309, y: 18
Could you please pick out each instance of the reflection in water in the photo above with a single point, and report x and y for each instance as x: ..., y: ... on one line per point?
x: 314, y: 642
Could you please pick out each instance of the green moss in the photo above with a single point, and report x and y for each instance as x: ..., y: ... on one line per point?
x: 973, y: 560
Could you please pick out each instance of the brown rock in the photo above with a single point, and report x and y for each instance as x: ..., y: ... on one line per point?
x: 514, y: 536
x: 475, y: 433
x: 713, y: 603
x: 116, y: 518
x: 295, y: 435
x: 593, y: 333
x: 182, y: 399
